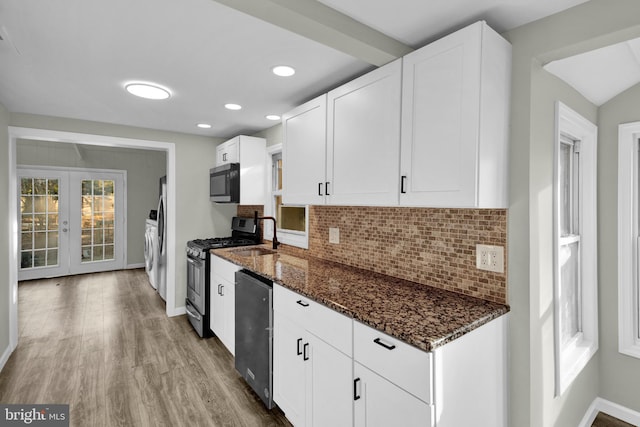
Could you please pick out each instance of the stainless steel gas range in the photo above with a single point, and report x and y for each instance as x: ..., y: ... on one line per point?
x: 244, y: 232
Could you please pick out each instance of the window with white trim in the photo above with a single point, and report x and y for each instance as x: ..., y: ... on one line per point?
x: 292, y: 220
x: 629, y: 239
x: 575, y: 255
x: 569, y: 241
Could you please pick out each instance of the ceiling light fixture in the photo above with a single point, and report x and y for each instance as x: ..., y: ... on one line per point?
x: 147, y: 90
x: 283, y: 71
x: 204, y: 125
x: 233, y: 106
x: 272, y: 117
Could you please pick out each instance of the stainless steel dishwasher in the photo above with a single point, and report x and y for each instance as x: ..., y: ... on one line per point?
x: 254, y: 333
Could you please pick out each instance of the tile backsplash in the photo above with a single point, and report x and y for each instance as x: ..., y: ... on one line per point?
x: 431, y: 246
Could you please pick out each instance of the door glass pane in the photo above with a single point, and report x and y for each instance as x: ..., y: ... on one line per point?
x: 52, y: 257
x: 569, y: 292
x: 98, y: 200
x: 39, y: 258
x: 39, y: 213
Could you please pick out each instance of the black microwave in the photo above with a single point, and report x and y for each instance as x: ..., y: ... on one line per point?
x: 224, y: 183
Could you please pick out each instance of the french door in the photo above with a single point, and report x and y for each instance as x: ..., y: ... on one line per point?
x: 71, y: 222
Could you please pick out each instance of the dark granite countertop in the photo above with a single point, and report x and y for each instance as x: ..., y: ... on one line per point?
x: 420, y: 315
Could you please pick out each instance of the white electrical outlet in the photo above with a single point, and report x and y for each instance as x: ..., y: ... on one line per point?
x: 490, y: 258
x: 334, y: 235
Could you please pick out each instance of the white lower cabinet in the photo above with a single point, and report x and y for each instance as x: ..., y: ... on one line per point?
x: 222, y: 303
x: 312, y: 380
x: 378, y: 402
x: 393, y: 381
x: 330, y: 370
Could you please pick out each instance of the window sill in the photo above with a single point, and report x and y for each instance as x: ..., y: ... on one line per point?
x: 573, y: 360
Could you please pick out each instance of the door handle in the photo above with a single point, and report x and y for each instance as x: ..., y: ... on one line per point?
x: 302, y: 303
x: 403, y: 179
x: 383, y: 344
x: 320, y: 189
x: 326, y: 189
x: 224, y: 157
x: 305, y: 352
x: 356, y: 394
x: 221, y: 290
x: 298, y: 351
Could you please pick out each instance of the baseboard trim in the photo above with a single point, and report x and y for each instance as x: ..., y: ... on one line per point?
x: 5, y: 356
x: 602, y: 405
x: 133, y: 266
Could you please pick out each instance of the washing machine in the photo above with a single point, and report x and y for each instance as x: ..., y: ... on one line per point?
x: 151, y: 251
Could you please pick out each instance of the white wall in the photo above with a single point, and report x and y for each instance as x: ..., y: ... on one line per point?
x: 5, y: 250
x: 196, y: 215
x: 534, y: 92
x: 620, y: 374
x: 144, y: 168
x: 273, y: 135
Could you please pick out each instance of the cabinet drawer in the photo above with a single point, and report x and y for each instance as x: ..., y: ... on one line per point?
x: 404, y: 365
x: 223, y: 268
x: 325, y: 323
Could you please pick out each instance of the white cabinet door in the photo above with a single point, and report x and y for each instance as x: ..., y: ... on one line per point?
x: 216, y: 317
x: 289, y: 370
x: 331, y: 385
x: 228, y: 152
x: 454, y: 121
x: 222, y: 301
x: 304, y: 153
x: 228, y: 296
x: 363, y: 138
x: 377, y: 402
x: 312, y: 379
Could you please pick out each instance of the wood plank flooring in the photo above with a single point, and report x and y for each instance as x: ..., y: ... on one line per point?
x: 604, y: 420
x: 103, y: 344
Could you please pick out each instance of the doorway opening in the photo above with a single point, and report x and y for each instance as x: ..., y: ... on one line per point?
x: 16, y: 133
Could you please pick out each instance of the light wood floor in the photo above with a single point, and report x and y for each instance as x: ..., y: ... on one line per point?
x: 103, y: 344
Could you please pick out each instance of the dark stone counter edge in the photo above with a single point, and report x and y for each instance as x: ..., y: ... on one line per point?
x: 425, y: 345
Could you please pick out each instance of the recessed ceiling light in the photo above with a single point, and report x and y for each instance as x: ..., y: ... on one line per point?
x: 233, y: 106
x: 283, y: 71
x: 272, y: 117
x: 204, y: 125
x: 147, y: 90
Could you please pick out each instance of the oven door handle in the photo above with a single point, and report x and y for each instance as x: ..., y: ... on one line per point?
x: 194, y: 261
x: 194, y: 315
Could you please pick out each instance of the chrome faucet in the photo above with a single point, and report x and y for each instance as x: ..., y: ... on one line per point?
x: 275, y: 238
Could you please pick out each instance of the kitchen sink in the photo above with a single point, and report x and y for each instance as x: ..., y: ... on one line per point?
x: 253, y: 252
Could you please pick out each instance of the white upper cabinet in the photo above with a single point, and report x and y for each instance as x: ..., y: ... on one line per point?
x: 363, y: 122
x: 251, y: 153
x: 228, y: 152
x: 429, y: 129
x: 455, y: 106
x: 304, y: 153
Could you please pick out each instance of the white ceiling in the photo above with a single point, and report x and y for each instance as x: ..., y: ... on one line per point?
x: 603, y: 73
x: 71, y: 58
